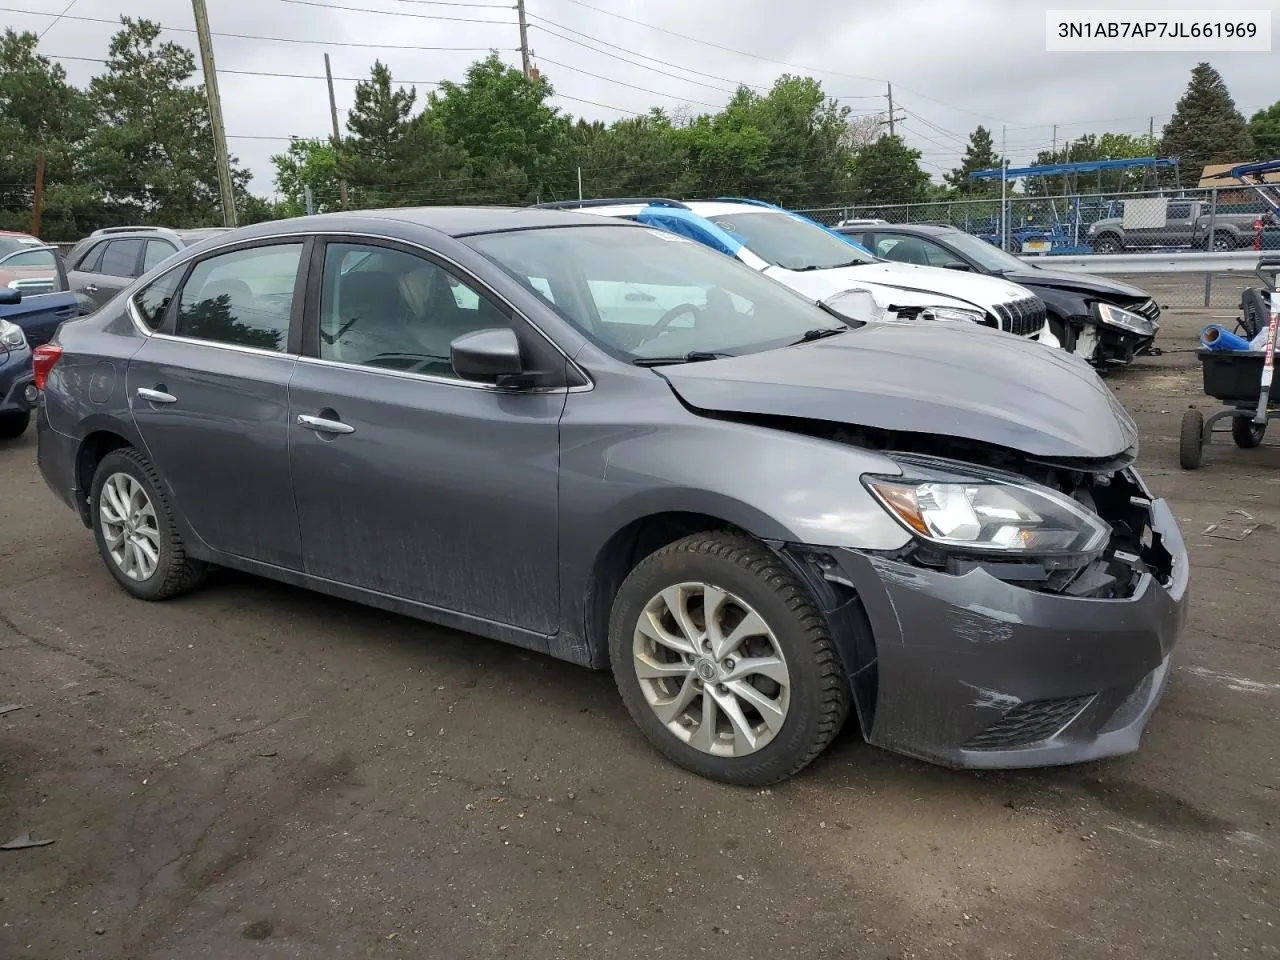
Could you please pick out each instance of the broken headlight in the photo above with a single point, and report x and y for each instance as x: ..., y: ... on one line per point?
x: 953, y: 315
x: 988, y: 513
x: 1110, y: 315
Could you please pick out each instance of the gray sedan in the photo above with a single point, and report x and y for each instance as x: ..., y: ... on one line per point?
x: 618, y: 447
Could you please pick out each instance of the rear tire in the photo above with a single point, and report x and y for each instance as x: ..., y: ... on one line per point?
x: 1107, y: 244
x: 1223, y: 242
x: 771, y: 701
x: 1246, y: 433
x: 14, y: 425
x: 134, y: 526
x: 1191, y: 440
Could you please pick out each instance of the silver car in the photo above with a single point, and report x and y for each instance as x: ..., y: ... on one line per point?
x: 615, y: 446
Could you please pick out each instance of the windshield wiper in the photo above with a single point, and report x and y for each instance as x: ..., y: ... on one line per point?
x: 693, y: 356
x: 820, y: 334
x: 827, y: 266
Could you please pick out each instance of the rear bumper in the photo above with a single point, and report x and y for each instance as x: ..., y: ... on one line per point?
x: 56, y: 458
x: 974, y: 672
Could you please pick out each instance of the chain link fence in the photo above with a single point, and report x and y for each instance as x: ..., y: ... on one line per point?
x: 1192, y: 221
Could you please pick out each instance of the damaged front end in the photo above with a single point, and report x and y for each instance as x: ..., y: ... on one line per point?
x: 1030, y: 619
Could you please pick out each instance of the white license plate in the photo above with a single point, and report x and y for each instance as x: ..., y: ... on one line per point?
x: 1036, y: 246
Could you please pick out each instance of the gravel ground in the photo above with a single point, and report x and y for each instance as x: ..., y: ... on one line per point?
x: 255, y: 771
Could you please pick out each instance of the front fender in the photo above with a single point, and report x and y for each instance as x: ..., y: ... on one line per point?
x: 774, y: 484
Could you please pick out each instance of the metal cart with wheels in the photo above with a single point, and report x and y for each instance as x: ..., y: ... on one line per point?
x: 1240, y: 379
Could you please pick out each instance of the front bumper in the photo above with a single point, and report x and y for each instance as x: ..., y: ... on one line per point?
x: 974, y: 672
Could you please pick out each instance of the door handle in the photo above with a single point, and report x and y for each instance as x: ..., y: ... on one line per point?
x: 321, y: 425
x: 91, y: 288
x: 156, y: 396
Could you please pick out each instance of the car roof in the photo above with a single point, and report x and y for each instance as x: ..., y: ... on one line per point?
x: 451, y: 221
x: 926, y: 229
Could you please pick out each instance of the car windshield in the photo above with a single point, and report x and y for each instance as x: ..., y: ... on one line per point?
x: 988, y: 256
x: 789, y: 243
x: 11, y: 244
x: 646, y: 294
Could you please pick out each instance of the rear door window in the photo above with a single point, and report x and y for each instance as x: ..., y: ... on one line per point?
x: 120, y: 259
x: 157, y: 252
x: 243, y: 298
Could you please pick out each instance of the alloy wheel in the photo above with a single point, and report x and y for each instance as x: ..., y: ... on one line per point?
x: 711, y: 669
x: 129, y: 526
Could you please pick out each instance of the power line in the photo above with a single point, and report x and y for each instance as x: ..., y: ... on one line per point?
x: 623, y: 83
x: 398, y: 13
x: 250, y: 36
x: 757, y: 56
x: 54, y: 22
x: 628, y: 50
x: 635, y: 63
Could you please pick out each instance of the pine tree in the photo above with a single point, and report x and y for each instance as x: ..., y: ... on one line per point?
x: 980, y: 154
x: 1206, y: 127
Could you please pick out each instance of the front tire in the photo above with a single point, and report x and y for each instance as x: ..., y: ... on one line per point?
x: 14, y: 425
x: 1108, y: 244
x: 725, y: 663
x: 135, y: 530
x: 1246, y: 433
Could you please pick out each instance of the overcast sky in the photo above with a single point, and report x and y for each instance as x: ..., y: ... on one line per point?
x: 953, y: 63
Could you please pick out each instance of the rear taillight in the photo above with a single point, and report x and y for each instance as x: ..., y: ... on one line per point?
x: 42, y: 360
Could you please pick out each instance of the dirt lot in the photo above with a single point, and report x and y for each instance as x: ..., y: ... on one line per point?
x: 258, y: 772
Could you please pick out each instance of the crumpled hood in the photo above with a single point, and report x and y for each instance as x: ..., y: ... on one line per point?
x: 905, y: 284
x: 1082, y: 282
x: 924, y: 377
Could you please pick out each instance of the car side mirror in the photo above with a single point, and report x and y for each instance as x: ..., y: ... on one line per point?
x: 487, y: 356
x: 957, y: 265
x: 9, y: 297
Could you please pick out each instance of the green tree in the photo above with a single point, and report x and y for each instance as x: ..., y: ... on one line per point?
x: 791, y: 145
x: 501, y: 122
x: 638, y: 156
x: 1090, y: 146
x: 39, y: 113
x: 1206, y: 127
x: 306, y: 163
x: 1265, y: 129
x: 979, y: 154
x: 888, y: 171
x: 151, y: 153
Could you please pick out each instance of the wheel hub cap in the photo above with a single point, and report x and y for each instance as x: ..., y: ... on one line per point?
x: 711, y: 669
x: 129, y: 527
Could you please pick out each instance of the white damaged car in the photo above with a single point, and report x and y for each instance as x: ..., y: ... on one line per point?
x: 833, y: 270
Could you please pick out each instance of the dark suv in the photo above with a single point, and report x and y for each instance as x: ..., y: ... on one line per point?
x: 108, y: 260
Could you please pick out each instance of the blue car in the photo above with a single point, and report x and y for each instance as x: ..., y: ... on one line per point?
x: 34, y: 301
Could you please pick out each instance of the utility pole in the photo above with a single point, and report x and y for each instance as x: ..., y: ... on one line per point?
x: 1004, y: 181
x: 892, y: 131
x: 337, y: 131
x: 1055, y: 143
x: 215, y: 113
x: 579, y: 184
x: 39, y: 197
x: 524, y: 40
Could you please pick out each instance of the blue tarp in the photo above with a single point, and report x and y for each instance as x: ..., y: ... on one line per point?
x: 689, y: 224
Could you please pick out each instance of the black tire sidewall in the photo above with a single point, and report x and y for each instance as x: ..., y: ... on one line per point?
x: 14, y: 425
x: 781, y: 756
x: 1247, y: 434
x: 1191, y: 442
x: 115, y: 462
